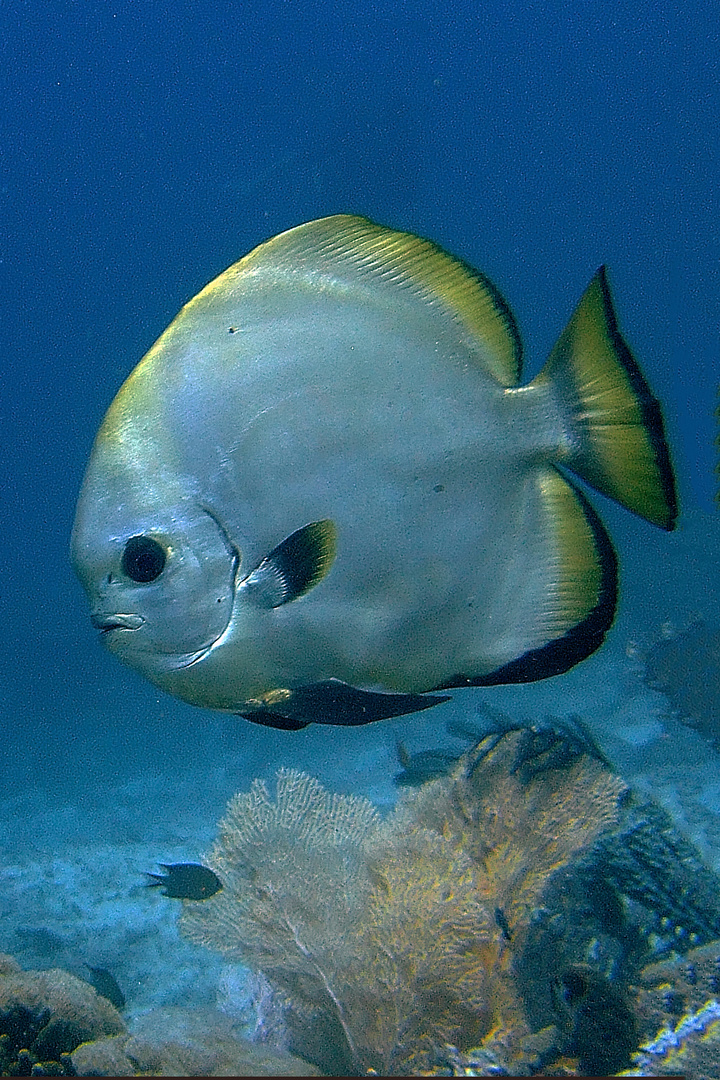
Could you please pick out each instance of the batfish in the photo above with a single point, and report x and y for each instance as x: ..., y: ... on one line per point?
x: 326, y: 495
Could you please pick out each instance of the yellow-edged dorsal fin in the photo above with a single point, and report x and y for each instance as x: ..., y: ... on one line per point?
x: 337, y: 245
x: 618, y: 443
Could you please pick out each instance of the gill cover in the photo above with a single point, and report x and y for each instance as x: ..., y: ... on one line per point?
x: 161, y: 585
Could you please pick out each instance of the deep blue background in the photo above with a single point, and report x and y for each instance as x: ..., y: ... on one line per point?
x: 145, y: 146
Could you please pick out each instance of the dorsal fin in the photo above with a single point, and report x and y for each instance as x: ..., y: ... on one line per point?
x: 345, y: 245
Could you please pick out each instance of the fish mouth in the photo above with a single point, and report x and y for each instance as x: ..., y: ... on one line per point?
x: 116, y: 621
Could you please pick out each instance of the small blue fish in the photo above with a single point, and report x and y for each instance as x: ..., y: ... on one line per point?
x: 105, y: 984
x: 186, y: 881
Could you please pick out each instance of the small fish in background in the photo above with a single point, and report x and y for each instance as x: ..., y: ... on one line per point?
x: 106, y: 985
x: 427, y: 765
x: 186, y: 881
x: 326, y: 496
x: 486, y: 722
x: 685, y: 666
x: 503, y: 924
x: 423, y: 766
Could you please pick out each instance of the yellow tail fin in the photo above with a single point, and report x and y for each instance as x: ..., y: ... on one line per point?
x: 617, y: 442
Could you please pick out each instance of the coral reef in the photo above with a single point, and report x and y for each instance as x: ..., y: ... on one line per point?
x: 498, y: 914
x: 665, y: 991
x: 46, y: 1014
x: 183, y: 1042
x: 53, y: 1024
x: 685, y: 666
x: 691, y: 1048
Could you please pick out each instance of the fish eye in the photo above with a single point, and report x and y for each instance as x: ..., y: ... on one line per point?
x: 143, y: 559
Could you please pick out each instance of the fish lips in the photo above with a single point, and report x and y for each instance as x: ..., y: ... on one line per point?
x: 113, y: 628
x: 105, y: 623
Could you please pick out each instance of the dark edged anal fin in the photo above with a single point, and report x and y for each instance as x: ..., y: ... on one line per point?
x: 332, y: 702
x: 295, y: 566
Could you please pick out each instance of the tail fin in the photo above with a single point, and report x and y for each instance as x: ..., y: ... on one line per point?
x: 617, y: 442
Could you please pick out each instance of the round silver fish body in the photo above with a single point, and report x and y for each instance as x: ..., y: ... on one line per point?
x: 324, y: 492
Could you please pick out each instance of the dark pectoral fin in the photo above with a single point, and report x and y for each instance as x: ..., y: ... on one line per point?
x: 294, y: 567
x: 333, y: 702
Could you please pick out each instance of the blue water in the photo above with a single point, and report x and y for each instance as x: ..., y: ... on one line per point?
x: 145, y: 146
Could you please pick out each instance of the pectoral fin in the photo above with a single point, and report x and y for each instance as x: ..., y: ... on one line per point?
x: 294, y: 567
x: 332, y: 702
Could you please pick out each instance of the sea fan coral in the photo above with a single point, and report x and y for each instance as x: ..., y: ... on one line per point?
x: 490, y: 912
x: 295, y: 884
x: 352, y: 944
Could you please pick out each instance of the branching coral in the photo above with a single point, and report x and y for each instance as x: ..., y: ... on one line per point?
x: 691, y: 1048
